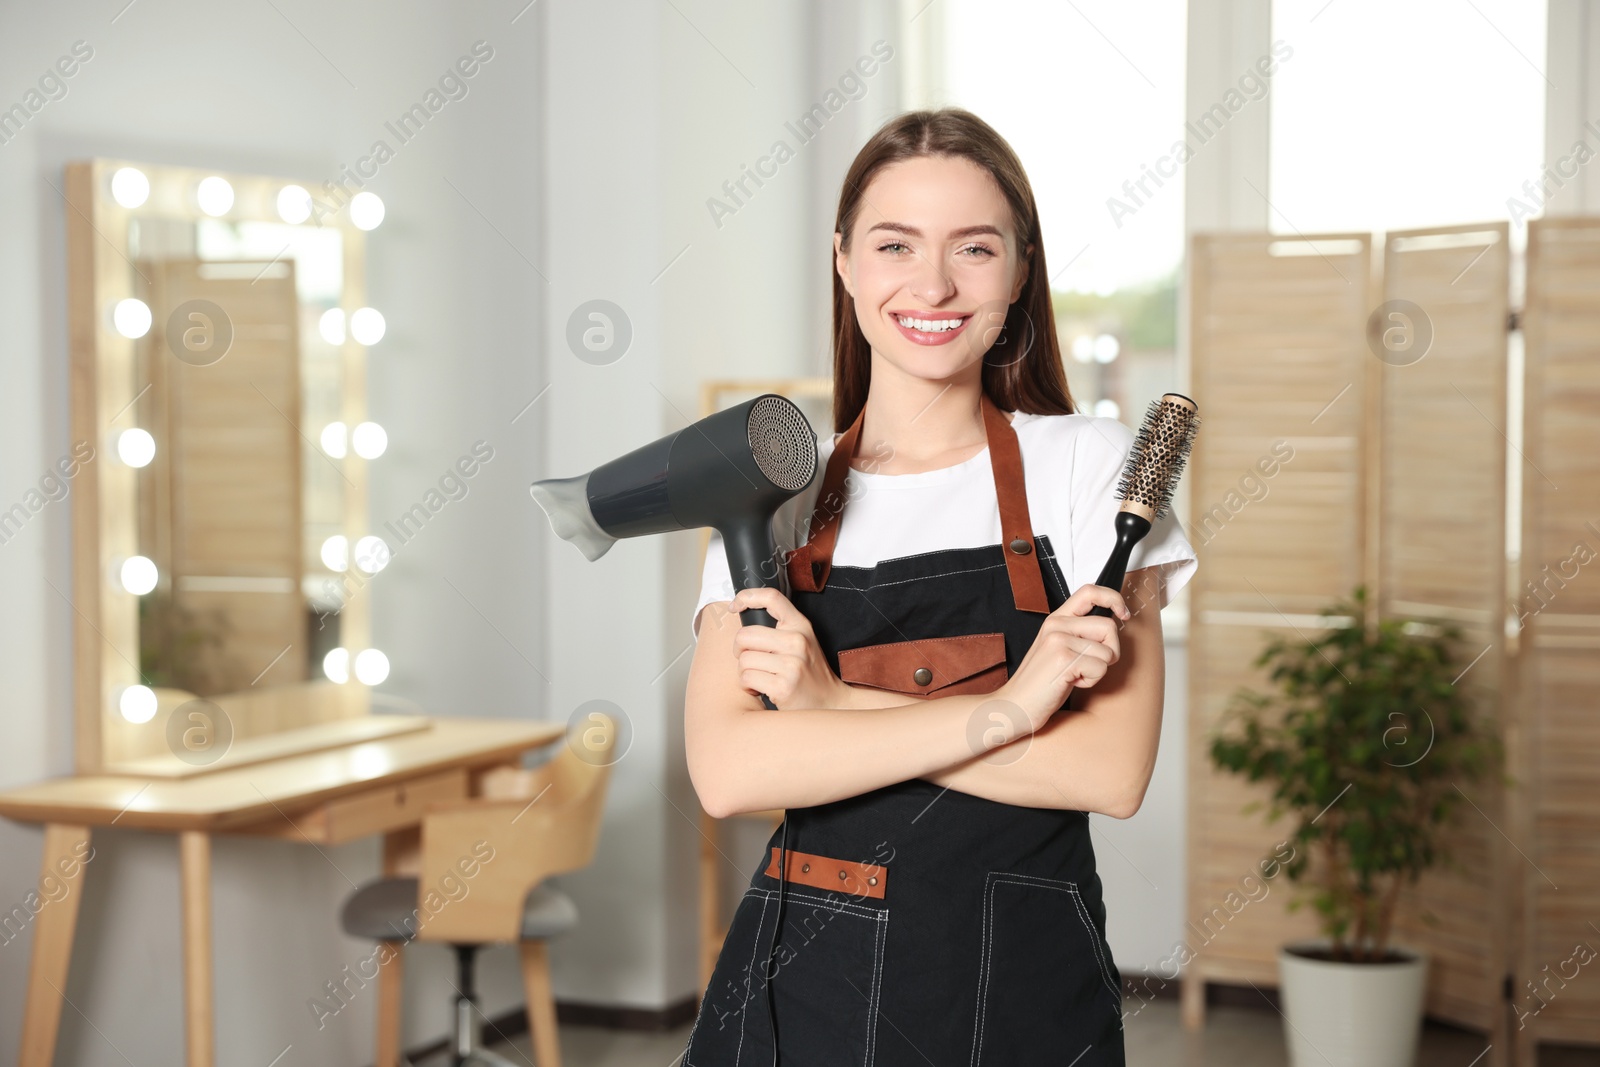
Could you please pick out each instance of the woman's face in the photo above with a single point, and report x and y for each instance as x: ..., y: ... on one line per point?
x: 933, y: 246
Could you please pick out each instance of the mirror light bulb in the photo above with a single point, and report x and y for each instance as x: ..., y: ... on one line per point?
x: 366, y: 210
x: 131, y: 317
x: 369, y: 440
x: 294, y: 204
x: 336, y: 665
x: 367, y: 325
x: 372, y: 666
x: 336, y: 553
x: 1107, y: 408
x: 136, y: 447
x: 331, y: 326
x: 1106, y: 348
x: 333, y: 436
x: 129, y: 187
x: 214, y: 195
x: 138, y: 575
x: 1083, y: 348
x: 372, y: 554
x: 137, y: 703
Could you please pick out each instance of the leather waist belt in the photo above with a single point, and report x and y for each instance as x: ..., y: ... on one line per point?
x: 825, y: 872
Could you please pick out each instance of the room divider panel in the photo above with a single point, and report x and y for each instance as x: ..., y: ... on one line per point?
x: 1555, y: 991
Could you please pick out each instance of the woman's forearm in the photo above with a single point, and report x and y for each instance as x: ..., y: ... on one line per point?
x: 805, y: 756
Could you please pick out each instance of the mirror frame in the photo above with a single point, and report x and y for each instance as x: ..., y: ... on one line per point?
x: 104, y: 512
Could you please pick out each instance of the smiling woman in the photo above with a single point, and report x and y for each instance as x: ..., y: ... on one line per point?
x: 939, y: 694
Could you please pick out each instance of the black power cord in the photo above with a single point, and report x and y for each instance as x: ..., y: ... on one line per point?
x: 772, y: 946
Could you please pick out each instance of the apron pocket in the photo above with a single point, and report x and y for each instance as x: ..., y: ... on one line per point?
x: 931, y: 666
x: 1046, y: 985
x: 826, y: 983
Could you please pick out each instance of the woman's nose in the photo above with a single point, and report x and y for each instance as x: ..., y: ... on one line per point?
x: 932, y: 285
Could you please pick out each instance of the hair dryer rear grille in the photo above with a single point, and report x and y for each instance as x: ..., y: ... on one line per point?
x: 784, y: 445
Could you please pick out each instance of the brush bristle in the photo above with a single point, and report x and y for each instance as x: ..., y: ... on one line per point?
x: 1158, y: 454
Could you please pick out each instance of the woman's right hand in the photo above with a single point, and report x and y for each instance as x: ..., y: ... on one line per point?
x: 1073, y: 648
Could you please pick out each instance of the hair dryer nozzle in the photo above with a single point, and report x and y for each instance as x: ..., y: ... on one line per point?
x: 566, y: 503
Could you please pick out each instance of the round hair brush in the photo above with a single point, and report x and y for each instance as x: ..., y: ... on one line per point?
x: 1154, y: 463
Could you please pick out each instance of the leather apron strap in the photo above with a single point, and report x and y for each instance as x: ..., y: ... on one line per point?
x: 808, y: 566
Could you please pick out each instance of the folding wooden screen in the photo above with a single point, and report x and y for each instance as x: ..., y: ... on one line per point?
x: 1392, y: 395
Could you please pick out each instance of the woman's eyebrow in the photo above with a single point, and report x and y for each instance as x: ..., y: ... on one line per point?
x: 912, y: 231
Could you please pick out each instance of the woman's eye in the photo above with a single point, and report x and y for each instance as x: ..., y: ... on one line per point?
x: 891, y: 244
x: 985, y: 249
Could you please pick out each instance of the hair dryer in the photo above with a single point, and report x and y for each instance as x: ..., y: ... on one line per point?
x: 730, y: 471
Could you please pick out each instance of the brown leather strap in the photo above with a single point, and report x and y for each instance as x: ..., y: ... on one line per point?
x: 825, y: 872
x: 808, y: 565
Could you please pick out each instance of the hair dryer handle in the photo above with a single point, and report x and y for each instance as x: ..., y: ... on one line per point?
x: 752, y: 564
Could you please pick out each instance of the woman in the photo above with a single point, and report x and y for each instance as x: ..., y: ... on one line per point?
x: 939, y: 902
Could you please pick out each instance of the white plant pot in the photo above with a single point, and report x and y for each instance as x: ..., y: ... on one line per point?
x: 1351, y: 1014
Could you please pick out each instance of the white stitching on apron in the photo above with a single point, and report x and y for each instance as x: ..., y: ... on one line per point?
x: 995, y: 878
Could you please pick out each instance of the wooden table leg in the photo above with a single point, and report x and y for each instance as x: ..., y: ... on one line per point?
x: 194, y: 849
x: 400, y: 851
x: 66, y: 851
x: 1192, y: 999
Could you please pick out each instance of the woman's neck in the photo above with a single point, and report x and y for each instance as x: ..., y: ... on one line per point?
x: 912, y: 424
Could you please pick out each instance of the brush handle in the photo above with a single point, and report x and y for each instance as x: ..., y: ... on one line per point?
x: 1131, y: 529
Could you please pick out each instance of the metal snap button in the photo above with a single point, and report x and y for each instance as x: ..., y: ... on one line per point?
x: 873, y: 880
x: 922, y: 676
x: 841, y: 876
x: 1021, y: 547
x: 804, y: 867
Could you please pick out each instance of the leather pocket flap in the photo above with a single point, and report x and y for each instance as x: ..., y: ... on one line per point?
x: 934, y: 666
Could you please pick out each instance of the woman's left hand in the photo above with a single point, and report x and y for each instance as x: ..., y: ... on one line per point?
x: 786, y: 663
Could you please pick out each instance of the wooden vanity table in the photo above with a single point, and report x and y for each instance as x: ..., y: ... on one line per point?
x: 327, y: 797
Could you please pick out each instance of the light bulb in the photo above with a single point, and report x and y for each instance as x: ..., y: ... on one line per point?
x: 137, y: 703
x: 131, y: 317
x: 367, y: 325
x: 366, y: 210
x: 136, y: 447
x: 331, y: 326
x: 294, y: 204
x: 129, y: 187
x: 214, y: 195
x: 1107, y: 408
x: 369, y: 440
x: 372, y: 666
x: 333, y: 436
x: 372, y: 554
x: 1083, y: 348
x: 336, y: 553
x: 336, y: 665
x: 1106, y: 348
x: 138, y: 575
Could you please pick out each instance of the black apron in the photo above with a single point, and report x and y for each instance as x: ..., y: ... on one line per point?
x: 921, y: 925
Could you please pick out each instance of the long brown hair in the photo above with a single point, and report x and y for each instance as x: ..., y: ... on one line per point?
x: 1029, y: 376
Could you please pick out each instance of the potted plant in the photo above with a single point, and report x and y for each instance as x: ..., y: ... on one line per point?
x: 1365, y: 743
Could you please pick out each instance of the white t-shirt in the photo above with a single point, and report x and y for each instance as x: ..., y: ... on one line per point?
x: 1072, y: 464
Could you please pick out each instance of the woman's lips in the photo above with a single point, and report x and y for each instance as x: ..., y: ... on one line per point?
x: 926, y: 337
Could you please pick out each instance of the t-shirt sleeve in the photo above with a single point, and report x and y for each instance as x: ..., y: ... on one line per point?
x: 715, y: 581
x: 1100, y: 453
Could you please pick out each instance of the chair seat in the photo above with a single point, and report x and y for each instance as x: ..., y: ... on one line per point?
x: 386, y: 909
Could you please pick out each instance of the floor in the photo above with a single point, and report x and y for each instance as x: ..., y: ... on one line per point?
x: 1233, y: 1037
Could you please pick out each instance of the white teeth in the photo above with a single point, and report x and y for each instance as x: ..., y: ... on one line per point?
x: 928, y: 325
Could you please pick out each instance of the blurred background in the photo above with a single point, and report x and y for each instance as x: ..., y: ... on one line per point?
x: 1227, y: 189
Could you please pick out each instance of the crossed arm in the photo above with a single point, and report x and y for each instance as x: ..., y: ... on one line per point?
x: 1096, y: 756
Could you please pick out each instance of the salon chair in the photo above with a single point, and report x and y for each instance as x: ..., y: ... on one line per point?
x: 481, y: 881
